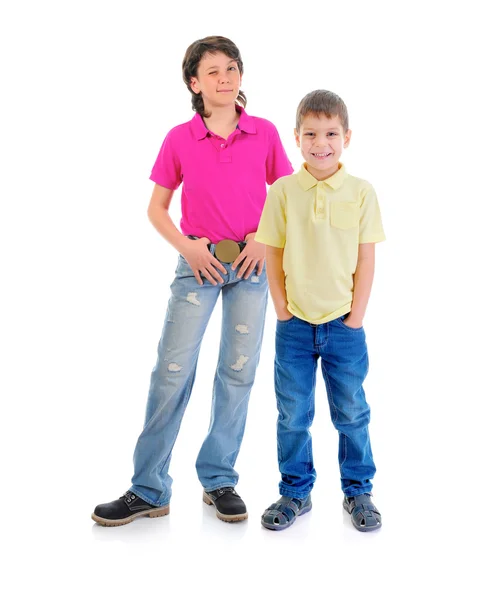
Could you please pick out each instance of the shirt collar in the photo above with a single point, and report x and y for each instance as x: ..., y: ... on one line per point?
x: 308, y: 181
x: 245, y: 123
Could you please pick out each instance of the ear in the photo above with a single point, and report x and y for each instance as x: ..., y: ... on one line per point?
x: 194, y: 85
x: 347, y: 138
x: 297, y: 138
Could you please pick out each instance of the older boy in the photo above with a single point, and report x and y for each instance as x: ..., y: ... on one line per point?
x: 320, y: 226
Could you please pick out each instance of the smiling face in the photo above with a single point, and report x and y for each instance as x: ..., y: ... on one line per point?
x: 218, y: 80
x: 321, y: 140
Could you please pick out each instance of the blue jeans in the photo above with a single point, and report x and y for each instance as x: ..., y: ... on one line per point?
x: 344, y: 362
x: 190, y: 306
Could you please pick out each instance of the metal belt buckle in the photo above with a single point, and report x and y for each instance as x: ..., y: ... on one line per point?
x: 227, y: 251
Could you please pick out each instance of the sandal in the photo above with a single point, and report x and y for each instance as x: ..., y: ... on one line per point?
x: 283, y: 513
x: 364, y: 514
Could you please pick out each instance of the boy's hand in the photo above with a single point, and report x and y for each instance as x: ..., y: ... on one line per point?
x: 284, y: 315
x: 353, y: 322
x: 202, y: 261
x: 253, y: 255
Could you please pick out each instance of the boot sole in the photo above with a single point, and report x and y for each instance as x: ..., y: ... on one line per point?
x: 153, y: 513
x: 222, y: 517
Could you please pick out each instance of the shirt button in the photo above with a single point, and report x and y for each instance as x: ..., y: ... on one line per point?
x: 222, y: 145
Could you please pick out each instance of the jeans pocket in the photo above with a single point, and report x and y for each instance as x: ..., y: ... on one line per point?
x: 287, y: 321
x: 340, y: 321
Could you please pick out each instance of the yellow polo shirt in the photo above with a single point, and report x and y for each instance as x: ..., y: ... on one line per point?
x: 320, y: 225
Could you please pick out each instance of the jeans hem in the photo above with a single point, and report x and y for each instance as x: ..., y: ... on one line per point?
x: 219, y: 486
x: 293, y: 493
x: 358, y: 491
x: 133, y: 489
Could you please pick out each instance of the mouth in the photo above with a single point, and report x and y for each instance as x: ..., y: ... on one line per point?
x: 321, y: 155
x: 224, y: 91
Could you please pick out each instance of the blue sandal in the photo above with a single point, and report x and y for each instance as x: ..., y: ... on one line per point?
x: 364, y: 514
x: 283, y: 513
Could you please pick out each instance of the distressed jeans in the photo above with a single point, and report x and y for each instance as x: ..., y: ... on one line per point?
x: 344, y: 362
x: 190, y: 306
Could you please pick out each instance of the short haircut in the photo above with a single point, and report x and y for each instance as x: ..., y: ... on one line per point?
x: 322, y: 102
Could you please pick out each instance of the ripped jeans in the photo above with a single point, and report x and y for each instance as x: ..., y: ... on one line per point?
x: 244, y: 304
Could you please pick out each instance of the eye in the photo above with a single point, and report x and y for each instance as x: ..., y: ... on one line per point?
x: 232, y: 69
x: 332, y: 133
x: 213, y: 73
x: 309, y: 134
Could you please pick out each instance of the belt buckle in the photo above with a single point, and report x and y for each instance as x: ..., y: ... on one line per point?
x: 227, y: 251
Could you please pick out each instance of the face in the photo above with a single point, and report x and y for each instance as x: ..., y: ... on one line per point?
x: 321, y: 140
x: 218, y: 80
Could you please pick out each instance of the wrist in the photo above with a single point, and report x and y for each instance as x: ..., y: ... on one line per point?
x: 354, y: 320
x: 282, y: 310
x: 356, y: 315
x: 182, y: 244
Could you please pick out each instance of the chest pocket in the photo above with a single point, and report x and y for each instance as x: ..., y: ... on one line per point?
x: 344, y: 215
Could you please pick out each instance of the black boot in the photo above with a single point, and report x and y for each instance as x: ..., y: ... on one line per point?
x: 229, y: 506
x: 126, y: 509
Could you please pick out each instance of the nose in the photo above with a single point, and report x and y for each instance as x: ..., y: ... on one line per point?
x: 321, y: 141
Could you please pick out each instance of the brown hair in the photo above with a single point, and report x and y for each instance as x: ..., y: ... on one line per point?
x: 191, y: 62
x: 322, y: 102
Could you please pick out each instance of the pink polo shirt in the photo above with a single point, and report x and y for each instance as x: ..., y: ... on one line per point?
x: 224, y: 181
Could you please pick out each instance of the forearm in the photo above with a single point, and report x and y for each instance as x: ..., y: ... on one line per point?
x: 276, y: 279
x: 161, y: 220
x: 363, y: 280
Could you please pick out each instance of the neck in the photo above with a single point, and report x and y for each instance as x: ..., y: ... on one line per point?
x: 322, y: 175
x: 222, y: 116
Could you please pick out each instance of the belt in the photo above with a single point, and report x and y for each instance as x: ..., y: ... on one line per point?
x: 226, y: 250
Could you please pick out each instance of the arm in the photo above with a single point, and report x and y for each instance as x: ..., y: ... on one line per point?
x: 194, y: 251
x: 276, y: 279
x: 363, y: 279
x: 161, y: 220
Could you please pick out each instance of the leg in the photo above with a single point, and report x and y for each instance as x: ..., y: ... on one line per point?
x: 344, y: 362
x: 189, y: 310
x: 244, y: 305
x: 295, y: 381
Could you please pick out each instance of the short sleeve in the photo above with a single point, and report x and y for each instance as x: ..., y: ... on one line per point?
x: 272, y: 225
x: 167, y: 168
x: 370, y: 226
x: 277, y: 163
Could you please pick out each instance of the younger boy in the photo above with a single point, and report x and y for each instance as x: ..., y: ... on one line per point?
x: 320, y: 226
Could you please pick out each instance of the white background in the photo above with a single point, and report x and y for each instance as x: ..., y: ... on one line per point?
x: 89, y: 91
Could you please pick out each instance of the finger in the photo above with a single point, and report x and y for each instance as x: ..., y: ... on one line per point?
x: 244, y: 267
x: 261, y: 266
x: 238, y: 259
x: 250, y: 269
x: 197, y: 277
x: 208, y: 276
x: 217, y: 264
x: 215, y: 273
x: 196, y: 274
